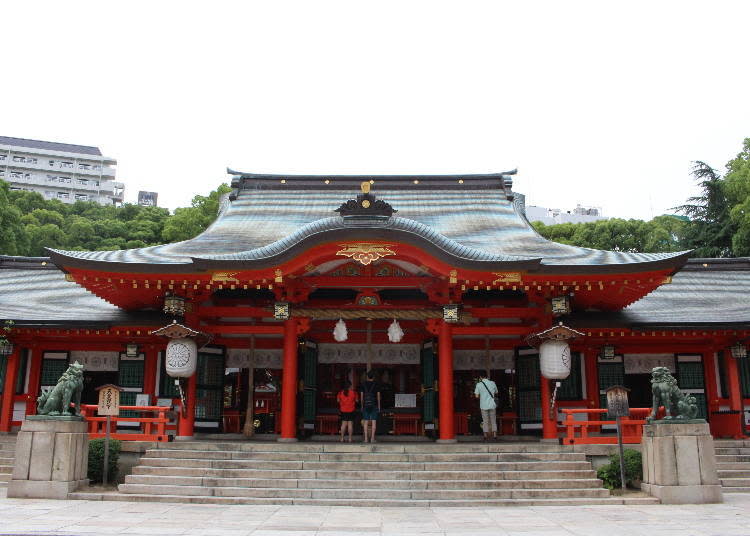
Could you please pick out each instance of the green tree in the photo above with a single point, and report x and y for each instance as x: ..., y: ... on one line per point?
x: 13, y: 237
x: 80, y: 233
x: 658, y: 235
x: 710, y: 229
x: 26, y: 201
x: 45, y: 216
x: 190, y: 221
x: 737, y: 187
x: 45, y: 236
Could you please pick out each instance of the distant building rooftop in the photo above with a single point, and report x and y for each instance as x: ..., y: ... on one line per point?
x: 50, y: 146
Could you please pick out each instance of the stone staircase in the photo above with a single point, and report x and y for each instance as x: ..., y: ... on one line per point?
x: 383, y: 474
x: 7, y: 453
x: 733, y: 464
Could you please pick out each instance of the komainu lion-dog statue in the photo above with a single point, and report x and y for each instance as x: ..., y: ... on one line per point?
x: 677, y: 405
x: 68, y: 389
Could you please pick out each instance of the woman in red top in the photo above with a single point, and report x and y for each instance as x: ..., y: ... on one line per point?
x: 347, y: 399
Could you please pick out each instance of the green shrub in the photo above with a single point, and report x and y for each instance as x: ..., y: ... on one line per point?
x: 96, y: 459
x: 610, y: 473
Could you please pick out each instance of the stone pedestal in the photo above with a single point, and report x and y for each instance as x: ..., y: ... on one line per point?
x: 51, y: 458
x: 679, y: 464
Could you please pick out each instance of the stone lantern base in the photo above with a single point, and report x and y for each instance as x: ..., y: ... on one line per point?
x: 51, y: 458
x: 679, y: 463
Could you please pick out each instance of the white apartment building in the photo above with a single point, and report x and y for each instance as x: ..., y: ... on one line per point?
x: 60, y: 171
x: 553, y: 216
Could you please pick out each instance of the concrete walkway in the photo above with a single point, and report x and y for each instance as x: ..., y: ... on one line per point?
x: 37, y: 517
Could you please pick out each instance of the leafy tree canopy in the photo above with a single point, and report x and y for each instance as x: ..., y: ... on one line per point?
x: 658, y: 235
x: 29, y: 223
x: 716, y: 223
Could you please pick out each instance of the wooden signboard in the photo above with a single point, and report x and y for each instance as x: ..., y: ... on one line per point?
x: 109, y: 405
x: 109, y: 400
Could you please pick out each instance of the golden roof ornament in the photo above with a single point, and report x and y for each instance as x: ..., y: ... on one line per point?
x: 366, y: 206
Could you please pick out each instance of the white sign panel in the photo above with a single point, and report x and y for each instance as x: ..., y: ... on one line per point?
x: 477, y: 359
x: 143, y: 399
x: 406, y: 400
x: 643, y: 363
x: 241, y: 358
x: 383, y: 354
x: 96, y: 361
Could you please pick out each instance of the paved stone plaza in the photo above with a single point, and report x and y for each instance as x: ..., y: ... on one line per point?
x: 38, y: 516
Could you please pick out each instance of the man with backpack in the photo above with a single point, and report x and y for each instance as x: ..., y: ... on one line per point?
x: 486, y: 391
x: 370, y: 397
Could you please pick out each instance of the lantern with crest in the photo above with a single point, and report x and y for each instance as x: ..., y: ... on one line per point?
x: 554, y: 350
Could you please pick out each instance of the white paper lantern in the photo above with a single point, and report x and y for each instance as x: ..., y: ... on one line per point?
x: 395, y: 333
x: 181, y: 358
x: 554, y: 359
x: 339, y: 332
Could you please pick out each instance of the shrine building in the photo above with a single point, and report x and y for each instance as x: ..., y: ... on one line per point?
x: 431, y: 280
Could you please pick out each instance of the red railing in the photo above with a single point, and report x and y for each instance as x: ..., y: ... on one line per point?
x: 153, y: 423
x: 577, y: 432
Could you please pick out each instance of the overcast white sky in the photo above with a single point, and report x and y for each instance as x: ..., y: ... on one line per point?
x: 600, y: 103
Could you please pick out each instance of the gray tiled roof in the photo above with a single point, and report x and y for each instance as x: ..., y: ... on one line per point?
x: 712, y: 296
x: 51, y: 146
x: 33, y: 295
x: 716, y: 294
x: 474, y: 223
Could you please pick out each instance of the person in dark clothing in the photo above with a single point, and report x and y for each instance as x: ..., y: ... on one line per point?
x: 370, y: 397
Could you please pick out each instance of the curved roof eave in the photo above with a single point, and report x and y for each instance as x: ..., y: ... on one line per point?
x: 393, y: 229
x: 317, y: 232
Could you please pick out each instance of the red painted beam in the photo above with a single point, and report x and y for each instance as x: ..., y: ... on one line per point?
x: 492, y: 330
x: 506, y: 312
x: 213, y: 312
x: 243, y: 329
x: 364, y: 281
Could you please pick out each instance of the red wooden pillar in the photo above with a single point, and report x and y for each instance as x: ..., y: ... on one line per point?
x: 733, y: 382
x: 590, y: 358
x: 710, y: 382
x: 149, y: 371
x: 549, y: 422
x: 289, y: 383
x: 445, y: 383
x: 35, y: 379
x: 735, y: 395
x: 186, y: 427
x: 9, y: 389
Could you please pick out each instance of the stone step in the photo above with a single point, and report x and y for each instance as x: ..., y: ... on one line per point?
x: 395, y: 474
x: 732, y: 450
x: 735, y: 482
x: 362, y: 493
x: 417, y: 448
x: 338, y: 483
x: 366, y: 466
x: 728, y: 466
x: 738, y: 473
x: 5, y: 477
x: 6, y: 460
x: 732, y: 458
x: 362, y: 475
x: 6, y: 468
x: 723, y: 443
x: 367, y: 456
x: 735, y: 490
x: 366, y: 502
